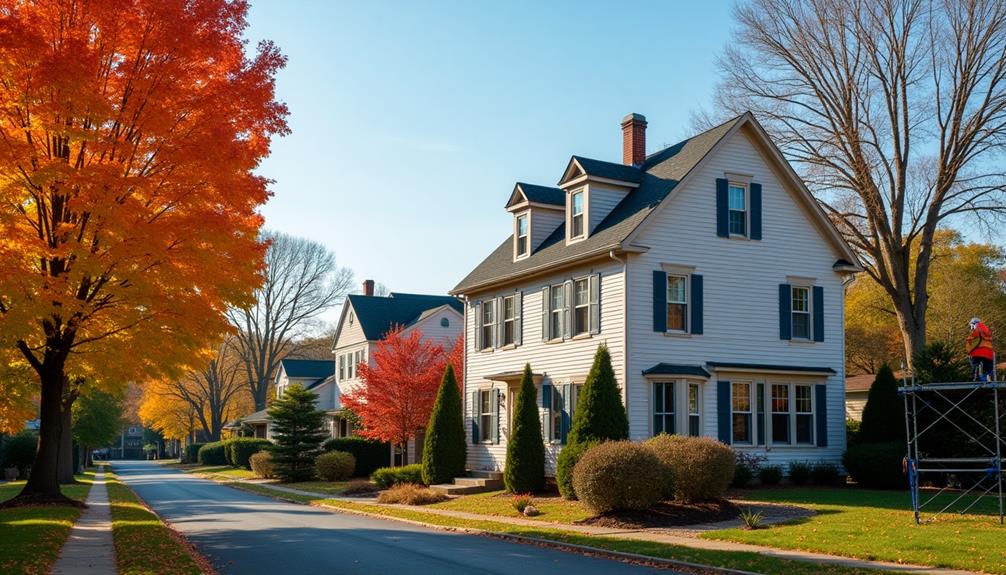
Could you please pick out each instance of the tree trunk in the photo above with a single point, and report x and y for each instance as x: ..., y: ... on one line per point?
x: 65, y: 457
x: 43, y: 481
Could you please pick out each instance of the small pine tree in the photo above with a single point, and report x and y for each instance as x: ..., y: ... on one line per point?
x: 525, y: 451
x: 445, y: 447
x: 939, y: 363
x: 600, y: 414
x: 883, y: 415
x: 298, y: 430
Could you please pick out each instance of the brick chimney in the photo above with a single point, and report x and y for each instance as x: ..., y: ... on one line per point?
x: 633, y: 139
x: 368, y: 287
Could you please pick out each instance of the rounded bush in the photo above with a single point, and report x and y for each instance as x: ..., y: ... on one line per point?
x: 261, y: 464
x: 370, y: 454
x: 240, y: 450
x: 19, y: 451
x: 799, y: 472
x: 876, y: 464
x: 335, y: 465
x: 825, y: 473
x: 618, y: 475
x: 191, y: 453
x: 770, y: 475
x: 385, y: 477
x: 213, y: 454
x: 700, y: 468
x: 568, y: 457
x: 660, y: 445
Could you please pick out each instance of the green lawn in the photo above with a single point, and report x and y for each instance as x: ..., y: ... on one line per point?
x: 224, y: 471
x: 320, y: 487
x: 143, y: 544
x: 553, y: 509
x: 878, y: 525
x: 31, y: 537
x: 734, y: 560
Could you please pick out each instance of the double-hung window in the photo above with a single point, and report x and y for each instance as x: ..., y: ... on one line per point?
x: 694, y: 416
x: 522, y: 235
x: 738, y: 213
x: 804, y: 403
x: 350, y: 366
x: 555, y: 310
x: 581, y: 306
x: 663, y: 407
x: 780, y: 413
x: 509, y: 320
x: 801, y: 312
x: 677, y: 303
x: 556, y: 414
x: 742, y: 415
x: 488, y: 324
x: 485, y: 415
x: 342, y: 367
x: 576, y: 214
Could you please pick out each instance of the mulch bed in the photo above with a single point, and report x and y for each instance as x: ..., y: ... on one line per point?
x: 667, y: 514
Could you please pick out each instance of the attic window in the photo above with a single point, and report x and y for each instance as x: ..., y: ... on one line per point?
x: 522, y: 235
x: 350, y: 318
x: 576, y: 214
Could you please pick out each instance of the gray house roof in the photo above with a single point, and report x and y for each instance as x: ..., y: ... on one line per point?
x: 543, y: 194
x: 658, y: 175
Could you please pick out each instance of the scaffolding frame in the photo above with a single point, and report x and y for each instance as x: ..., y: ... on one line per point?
x: 984, y: 474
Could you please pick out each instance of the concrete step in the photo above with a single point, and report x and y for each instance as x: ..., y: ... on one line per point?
x: 489, y: 484
x: 452, y: 489
x: 498, y: 475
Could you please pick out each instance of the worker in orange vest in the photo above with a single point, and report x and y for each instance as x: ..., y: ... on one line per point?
x: 979, y: 344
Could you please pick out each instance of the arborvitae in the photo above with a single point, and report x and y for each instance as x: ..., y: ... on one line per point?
x: 298, y: 431
x: 525, y: 451
x: 445, y: 445
x: 883, y: 416
x: 600, y: 414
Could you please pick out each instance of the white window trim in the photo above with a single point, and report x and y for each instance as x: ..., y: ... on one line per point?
x: 570, y: 238
x: 516, y: 238
x: 688, y: 300
x: 512, y: 320
x: 745, y: 185
x: 681, y: 413
x: 809, y: 312
x: 485, y: 431
x: 553, y: 336
x: 752, y: 411
x: 791, y: 394
x: 573, y: 307
x: 488, y: 343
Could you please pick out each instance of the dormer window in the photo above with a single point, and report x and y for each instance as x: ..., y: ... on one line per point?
x: 576, y: 214
x: 522, y: 235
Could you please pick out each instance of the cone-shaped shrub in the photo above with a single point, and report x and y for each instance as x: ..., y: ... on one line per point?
x: 445, y: 445
x: 525, y: 450
x: 298, y: 431
x: 599, y: 415
x: 883, y: 415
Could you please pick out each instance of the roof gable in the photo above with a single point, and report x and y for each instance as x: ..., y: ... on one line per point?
x: 308, y: 368
x: 535, y: 194
x: 378, y: 314
x: 579, y: 166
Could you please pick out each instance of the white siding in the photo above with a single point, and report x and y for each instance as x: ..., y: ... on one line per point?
x: 600, y: 202
x: 855, y: 401
x: 560, y: 362
x: 741, y: 310
x: 543, y: 223
x: 433, y: 330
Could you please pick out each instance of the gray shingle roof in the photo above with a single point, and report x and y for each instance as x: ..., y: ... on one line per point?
x: 657, y: 177
x: 377, y: 314
x: 543, y: 194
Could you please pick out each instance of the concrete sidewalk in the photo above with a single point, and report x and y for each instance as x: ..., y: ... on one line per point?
x: 90, y: 549
x: 653, y: 535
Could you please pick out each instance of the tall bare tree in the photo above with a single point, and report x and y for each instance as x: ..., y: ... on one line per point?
x: 302, y: 281
x: 894, y: 112
x: 212, y: 392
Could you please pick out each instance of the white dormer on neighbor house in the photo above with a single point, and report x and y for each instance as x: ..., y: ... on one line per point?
x: 708, y: 270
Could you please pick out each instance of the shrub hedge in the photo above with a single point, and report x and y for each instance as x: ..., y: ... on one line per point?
x: 385, y: 477
x: 618, y: 475
x: 214, y: 453
x: 876, y: 464
x: 335, y: 465
x: 239, y: 450
x: 660, y: 446
x: 370, y: 454
x: 411, y: 494
x: 19, y: 451
x: 191, y: 453
x: 261, y: 464
x: 700, y: 468
x: 825, y: 473
x: 770, y: 475
x: 568, y: 458
x: 799, y: 472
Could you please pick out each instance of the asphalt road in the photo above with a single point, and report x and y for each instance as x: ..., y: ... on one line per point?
x: 249, y: 534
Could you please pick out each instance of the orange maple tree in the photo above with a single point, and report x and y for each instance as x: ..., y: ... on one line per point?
x: 129, y: 132
x: 397, y: 392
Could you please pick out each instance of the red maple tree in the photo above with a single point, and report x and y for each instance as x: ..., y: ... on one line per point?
x: 399, y: 388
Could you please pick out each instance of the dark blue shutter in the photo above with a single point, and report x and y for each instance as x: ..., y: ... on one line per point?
x: 696, y: 304
x: 475, y: 418
x: 785, y: 311
x: 546, y: 404
x: 567, y: 410
x: 818, y: 303
x: 755, y: 199
x: 722, y: 207
x: 760, y: 404
x: 821, y: 401
x: 659, y: 301
x: 723, y: 410
x: 496, y: 416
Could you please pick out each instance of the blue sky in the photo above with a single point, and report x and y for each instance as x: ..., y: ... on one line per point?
x: 412, y: 120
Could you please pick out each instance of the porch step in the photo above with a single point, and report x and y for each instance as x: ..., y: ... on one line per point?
x: 497, y: 475
x: 452, y: 489
x: 489, y: 484
x: 475, y: 482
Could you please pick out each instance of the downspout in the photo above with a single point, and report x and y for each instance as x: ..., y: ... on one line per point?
x: 464, y: 365
x: 625, y: 332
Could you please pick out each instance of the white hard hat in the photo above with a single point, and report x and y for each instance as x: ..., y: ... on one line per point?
x: 974, y: 321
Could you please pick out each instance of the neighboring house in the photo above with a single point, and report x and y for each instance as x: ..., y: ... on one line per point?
x: 367, y: 318
x: 709, y: 271
x: 312, y: 374
x: 129, y: 444
x: 857, y: 389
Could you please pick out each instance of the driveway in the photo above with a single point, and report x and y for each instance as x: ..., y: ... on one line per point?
x: 245, y: 533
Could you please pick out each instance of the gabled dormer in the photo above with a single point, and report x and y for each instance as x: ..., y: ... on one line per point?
x: 537, y: 212
x: 592, y: 189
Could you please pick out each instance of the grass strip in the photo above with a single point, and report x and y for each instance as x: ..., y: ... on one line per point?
x: 741, y: 560
x: 144, y: 545
x: 31, y: 537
